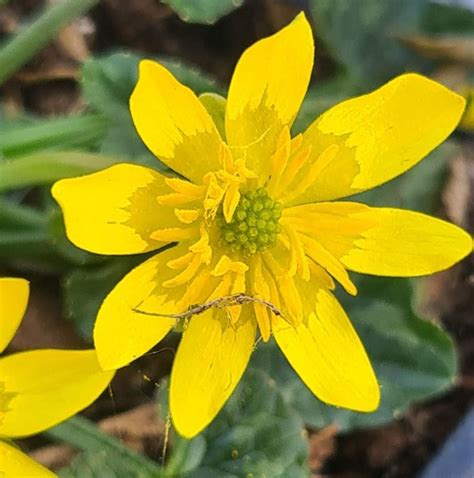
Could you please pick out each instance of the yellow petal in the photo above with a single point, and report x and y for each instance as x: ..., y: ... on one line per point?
x: 380, y: 136
x: 266, y: 91
x: 173, y: 123
x: 407, y: 244
x: 122, y: 334
x: 115, y: 210
x: 15, y: 464
x: 382, y: 241
x: 211, y: 358
x: 326, y: 353
x: 13, y: 301
x: 45, y: 387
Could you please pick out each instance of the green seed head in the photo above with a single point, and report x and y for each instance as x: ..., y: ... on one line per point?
x: 254, y: 226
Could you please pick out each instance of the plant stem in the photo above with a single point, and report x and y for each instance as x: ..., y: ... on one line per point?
x: 35, y: 36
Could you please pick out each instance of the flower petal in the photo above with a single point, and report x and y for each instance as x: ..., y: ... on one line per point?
x: 45, y: 387
x: 122, y: 334
x: 173, y: 123
x: 15, y: 463
x: 211, y: 358
x: 326, y: 353
x: 380, y: 135
x: 114, y: 211
x: 382, y: 241
x: 266, y: 91
x: 13, y: 301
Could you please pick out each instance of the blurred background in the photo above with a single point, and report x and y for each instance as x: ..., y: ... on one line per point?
x: 66, y: 71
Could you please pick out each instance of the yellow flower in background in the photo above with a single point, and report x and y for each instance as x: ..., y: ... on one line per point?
x: 467, y: 120
x: 40, y: 388
x: 251, y: 212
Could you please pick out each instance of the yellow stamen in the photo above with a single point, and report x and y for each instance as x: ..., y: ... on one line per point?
x: 272, y: 264
x: 242, y: 171
x: 323, y: 160
x: 235, y: 273
x: 185, y: 187
x: 231, y: 201
x: 214, y: 195
x: 263, y: 320
x: 180, y: 262
x: 197, y: 291
x: 294, y: 166
x: 171, y: 234
x: 297, y: 250
x: 238, y: 286
x: 320, y: 255
x: 272, y: 288
x: 186, y: 275
x: 279, y: 160
x: 321, y: 276
x: 225, y: 157
x: 222, y: 266
x: 291, y: 298
x: 222, y: 288
x: 260, y: 289
x: 225, y: 264
x: 296, y: 143
x: 174, y: 199
x: 187, y: 216
x: 202, y: 246
x: 239, y: 283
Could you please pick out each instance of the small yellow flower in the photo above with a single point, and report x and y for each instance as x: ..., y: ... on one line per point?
x: 250, y: 213
x: 38, y: 389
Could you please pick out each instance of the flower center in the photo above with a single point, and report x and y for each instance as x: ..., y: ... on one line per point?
x: 254, y: 226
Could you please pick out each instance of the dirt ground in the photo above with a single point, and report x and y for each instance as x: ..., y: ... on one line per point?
x: 48, y: 86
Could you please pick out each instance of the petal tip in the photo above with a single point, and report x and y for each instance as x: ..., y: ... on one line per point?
x: 373, y: 399
x: 458, y: 101
x: 185, y: 427
x: 184, y: 430
x: 301, y: 22
x: 108, y: 361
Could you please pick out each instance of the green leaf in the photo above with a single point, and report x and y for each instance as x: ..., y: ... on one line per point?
x: 86, y: 287
x: 25, y: 244
x: 256, y: 434
x: 20, y: 137
x: 363, y: 36
x: 448, y: 18
x: 203, y: 11
x: 33, y: 37
x: 105, y: 456
x: 17, y: 216
x: 107, y: 84
x: 413, y: 359
x: 46, y: 168
x: 37, y: 240
x: 215, y: 105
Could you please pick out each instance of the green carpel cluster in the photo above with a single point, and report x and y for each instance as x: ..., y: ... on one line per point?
x: 254, y: 226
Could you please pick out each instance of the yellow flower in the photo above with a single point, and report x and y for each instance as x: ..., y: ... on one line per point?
x: 38, y: 389
x: 467, y: 120
x: 250, y: 214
